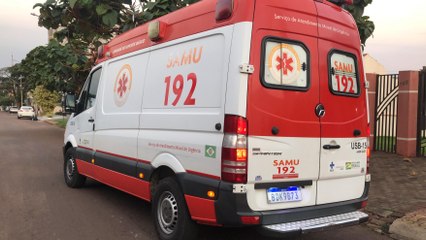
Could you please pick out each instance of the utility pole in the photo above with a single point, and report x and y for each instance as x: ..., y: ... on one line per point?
x: 20, y: 84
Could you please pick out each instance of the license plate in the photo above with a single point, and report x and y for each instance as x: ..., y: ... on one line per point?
x: 280, y: 195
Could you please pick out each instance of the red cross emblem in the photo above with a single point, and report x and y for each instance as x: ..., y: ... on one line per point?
x: 285, y: 64
x: 122, y: 89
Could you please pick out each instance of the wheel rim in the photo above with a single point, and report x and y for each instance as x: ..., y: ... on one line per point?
x: 167, y: 212
x: 70, y: 168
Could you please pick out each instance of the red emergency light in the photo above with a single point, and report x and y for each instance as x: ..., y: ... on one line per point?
x: 342, y: 2
x: 224, y: 9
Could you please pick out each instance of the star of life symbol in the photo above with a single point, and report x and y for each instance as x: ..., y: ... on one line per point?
x: 284, y: 64
x: 122, y: 85
x: 122, y: 89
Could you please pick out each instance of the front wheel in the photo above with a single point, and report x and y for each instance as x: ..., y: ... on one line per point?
x: 72, y: 177
x: 171, y: 215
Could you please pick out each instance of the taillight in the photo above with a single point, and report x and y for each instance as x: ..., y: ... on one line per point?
x: 368, y: 149
x: 234, y: 150
x: 250, y: 220
x: 368, y: 153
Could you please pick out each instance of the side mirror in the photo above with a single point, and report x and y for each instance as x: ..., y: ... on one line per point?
x: 69, y: 103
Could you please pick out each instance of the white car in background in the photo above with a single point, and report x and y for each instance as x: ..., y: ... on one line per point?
x: 13, y: 109
x: 26, y: 111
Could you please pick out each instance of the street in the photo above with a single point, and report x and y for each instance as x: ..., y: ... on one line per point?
x: 36, y: 203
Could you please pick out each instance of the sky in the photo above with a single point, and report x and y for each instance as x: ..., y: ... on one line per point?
x: 399, y: 41
x: 19, y: 30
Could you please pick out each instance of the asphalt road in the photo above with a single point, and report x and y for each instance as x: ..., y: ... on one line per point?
x: 36, y: 204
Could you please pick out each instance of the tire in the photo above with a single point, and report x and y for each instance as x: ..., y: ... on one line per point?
x: 73, y: 178
x: 171, y: 215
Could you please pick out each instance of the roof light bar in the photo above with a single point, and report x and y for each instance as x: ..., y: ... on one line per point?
x: 156, y: 30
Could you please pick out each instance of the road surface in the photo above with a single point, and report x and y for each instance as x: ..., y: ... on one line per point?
x: 36, y: 204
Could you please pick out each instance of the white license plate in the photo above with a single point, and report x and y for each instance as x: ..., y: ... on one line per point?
x: 280, y: 195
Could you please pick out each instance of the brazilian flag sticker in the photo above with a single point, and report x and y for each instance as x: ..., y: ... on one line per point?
x: 210, y: 151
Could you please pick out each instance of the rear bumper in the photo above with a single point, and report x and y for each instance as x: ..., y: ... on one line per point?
x: 230, y: 207
x: 314, y: 224
x: 227, y: 208
x: 26, y: 114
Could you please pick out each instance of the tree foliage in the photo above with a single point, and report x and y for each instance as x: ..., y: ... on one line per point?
x: 55, y: 66
x: 365, y: 25
x: 45, y: 99
x: 93, y: 22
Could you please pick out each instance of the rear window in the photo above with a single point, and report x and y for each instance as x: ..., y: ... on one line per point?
x: 343, y: 79
x: 285, y: 64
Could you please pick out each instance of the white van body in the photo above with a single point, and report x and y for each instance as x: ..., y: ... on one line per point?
x: 237, y: 140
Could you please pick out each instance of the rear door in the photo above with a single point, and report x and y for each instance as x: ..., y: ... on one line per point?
x: 343, y: 98
x: 284, y: 130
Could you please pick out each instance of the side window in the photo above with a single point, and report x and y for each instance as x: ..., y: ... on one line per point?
x: 83, y: 95
x: 285, y: 64
x: 343, y: 79
x: 87, y: 98
x: 93, y: 88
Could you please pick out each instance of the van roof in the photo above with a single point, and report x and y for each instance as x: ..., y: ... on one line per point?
x: 199, y: 16
x: 192, y: 19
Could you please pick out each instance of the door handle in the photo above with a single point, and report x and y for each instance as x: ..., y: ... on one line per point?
x: 330, y: 147
x: 91, y: 120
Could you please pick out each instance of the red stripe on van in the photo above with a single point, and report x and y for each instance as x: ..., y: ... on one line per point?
x: 201, y: 210
x: 84, y: 168
x: 125, y: 157
x: 86, y: 148
x: 130, y: 185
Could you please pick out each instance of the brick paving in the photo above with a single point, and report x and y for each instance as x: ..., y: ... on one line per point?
x: 398, y: 186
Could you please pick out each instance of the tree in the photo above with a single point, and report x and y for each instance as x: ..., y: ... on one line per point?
x: 9, y: 85
x: 89, y: 23
x: 365, y: 25
x: 57, y: 67
x: 45, y: 99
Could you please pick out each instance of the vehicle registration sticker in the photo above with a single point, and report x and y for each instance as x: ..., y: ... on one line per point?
x: 280, y: 195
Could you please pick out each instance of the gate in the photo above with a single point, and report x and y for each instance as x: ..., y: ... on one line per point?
x: 421, y: 116
x: 386, y: 113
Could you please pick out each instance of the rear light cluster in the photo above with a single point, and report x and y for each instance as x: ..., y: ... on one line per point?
x: 234, y: 150
x: 368, y: 153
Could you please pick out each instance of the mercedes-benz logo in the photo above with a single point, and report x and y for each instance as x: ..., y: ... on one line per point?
x: 319, y: 110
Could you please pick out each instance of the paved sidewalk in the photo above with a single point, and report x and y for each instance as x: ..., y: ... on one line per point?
x: 398, y: 187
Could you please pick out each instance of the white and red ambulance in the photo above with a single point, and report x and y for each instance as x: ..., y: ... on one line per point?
x: 230, y: 113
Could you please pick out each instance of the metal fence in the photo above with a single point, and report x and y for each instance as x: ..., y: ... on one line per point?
x: 386, y: 113
x: 421, y: 116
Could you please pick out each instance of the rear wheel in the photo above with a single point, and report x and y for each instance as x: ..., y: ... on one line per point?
x: 172, y: 219
x: 72, y: 177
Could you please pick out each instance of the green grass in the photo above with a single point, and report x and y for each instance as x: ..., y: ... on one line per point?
x: 423, y: 147
x: 386, y: 144
x: 61, y: 122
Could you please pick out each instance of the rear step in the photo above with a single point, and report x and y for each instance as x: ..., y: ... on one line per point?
x: 317, y: 224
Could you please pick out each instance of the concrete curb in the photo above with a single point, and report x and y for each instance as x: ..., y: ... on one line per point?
x: 411, y: 226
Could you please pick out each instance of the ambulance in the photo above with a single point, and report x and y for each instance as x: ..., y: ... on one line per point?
x: 230, y: 113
